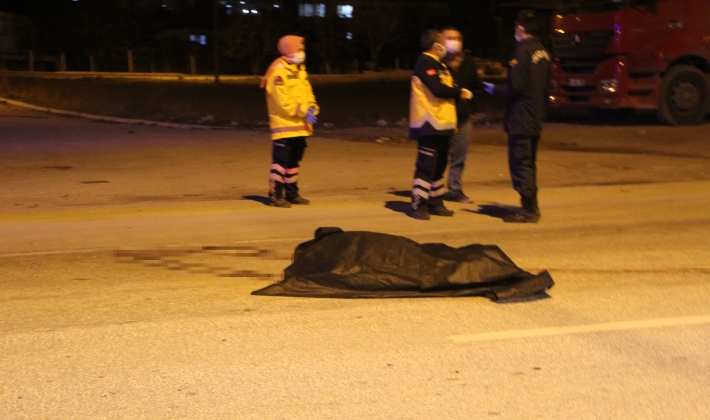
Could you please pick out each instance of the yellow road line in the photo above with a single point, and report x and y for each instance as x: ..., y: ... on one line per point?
x: 581, y: 329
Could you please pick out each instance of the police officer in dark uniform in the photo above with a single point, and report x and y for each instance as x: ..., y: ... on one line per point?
x: 525, y: 94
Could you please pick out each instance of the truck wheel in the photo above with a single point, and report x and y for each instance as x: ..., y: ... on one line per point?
x: 684, y: 96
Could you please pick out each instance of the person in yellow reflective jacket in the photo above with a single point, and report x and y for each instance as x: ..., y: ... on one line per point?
x: 432, y: 121
x: 292, y: 111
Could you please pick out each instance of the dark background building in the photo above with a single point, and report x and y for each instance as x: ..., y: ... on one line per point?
x: 179, y: 35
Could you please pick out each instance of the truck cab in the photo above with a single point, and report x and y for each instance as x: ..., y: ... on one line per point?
x: 634, y: 54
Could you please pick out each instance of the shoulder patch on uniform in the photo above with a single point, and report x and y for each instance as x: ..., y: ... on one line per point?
x: 540, y: 55
x: 513, y: 63
x: 278, y: 81
x: 431, y: 72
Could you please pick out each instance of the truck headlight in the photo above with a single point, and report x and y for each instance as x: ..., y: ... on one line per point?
x: 609, y: 86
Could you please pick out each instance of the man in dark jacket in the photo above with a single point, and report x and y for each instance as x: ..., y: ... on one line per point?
x: 432, y: 121
x: 463, y: 68
x: 525, y: 94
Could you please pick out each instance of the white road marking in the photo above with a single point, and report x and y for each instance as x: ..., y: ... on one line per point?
x: 40, y: 253
x: 581, y: 329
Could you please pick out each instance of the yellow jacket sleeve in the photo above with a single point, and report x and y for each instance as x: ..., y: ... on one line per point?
x: 291, y: 92
x: 289, y: 95
x: 310, y: 97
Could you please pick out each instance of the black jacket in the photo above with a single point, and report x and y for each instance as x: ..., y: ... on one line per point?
x: 467, y: 77
x: 525, y: 91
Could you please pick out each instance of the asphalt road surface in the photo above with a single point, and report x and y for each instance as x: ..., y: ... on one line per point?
x: 128, y: 254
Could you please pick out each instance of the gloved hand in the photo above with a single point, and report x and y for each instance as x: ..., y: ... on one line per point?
x: 489, y: 87
x: 310, y: 117
x: 466, y: 94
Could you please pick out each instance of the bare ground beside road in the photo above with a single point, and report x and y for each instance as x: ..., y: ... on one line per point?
x: 357, y: 102
x: 352, y: 101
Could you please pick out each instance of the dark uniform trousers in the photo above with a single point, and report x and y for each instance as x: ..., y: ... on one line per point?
x: 522, y: 155
x: 432, y: 157
x: 286, y: 155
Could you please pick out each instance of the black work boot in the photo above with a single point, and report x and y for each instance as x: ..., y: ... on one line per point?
x: 298, y: 200
x: 457, y: 196
x: 292, y: 195
x: 529, y: 213
x: 522, y: 216
x: 530, y: 204
x: 437, y: 208
x: 419, y: 208
x: 276, y: 195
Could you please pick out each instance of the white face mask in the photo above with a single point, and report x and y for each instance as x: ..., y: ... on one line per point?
x: 519, y: 33
x: 440, y: 50
x: 453, y: 46
x: 297, y: 58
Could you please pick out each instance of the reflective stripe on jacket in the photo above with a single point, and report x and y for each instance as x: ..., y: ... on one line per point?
x: 432, y: 107
x: 288, y: 96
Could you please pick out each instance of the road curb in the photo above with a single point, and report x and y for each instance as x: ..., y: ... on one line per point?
x: 127, y: 121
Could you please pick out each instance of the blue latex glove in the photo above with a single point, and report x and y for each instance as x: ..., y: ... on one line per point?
x: 489, y: 87
x: 310, y: 117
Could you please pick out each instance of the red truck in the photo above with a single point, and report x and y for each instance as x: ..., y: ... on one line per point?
x: 633, y: 54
